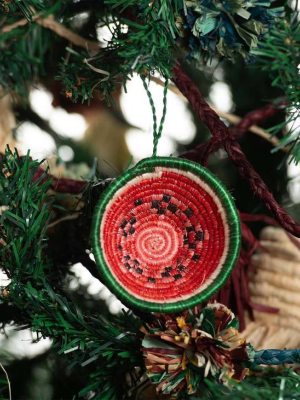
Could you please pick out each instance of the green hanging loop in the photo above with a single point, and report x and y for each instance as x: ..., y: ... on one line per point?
x: 157, y: 133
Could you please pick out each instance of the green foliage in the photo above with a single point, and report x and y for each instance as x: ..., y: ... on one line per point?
x: 145, y: 38
x: 24, y: 218
x: 22, y: 58
x: 267, y: 384
x: 26, y: 7
x: 280, y: 56
x: 107, y: 350
x: 142, y: 48
x: 87, y: 340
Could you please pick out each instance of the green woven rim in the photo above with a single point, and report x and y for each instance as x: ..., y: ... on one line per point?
x: 148, y: 165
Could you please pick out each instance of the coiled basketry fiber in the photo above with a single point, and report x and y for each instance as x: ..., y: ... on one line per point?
x: 166, y: 235
x: 275, y: 282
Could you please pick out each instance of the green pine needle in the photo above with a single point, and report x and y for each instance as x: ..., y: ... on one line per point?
x: 279, y: 55
x: 87, y: 340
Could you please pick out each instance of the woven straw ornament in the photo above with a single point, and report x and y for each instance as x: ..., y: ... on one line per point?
x: 275, y: 282
x: 166, y: 235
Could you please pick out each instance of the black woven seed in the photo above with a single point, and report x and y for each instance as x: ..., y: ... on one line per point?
x: 168, y: 269
x: 185, y: 237
x: 172, y: 207
x: 138, y: 202
x: 161, y: 211
x: 165, y: 274
x: 125, y: 234
x: 199, y: 236
x: 188, y: 212
x: 186, y: 241
x: 152, y: 280
x: 196, y: 257
x: 178, y: 276
x: 119, y: 247
x: 127, y: 266
x: 133, y: 220
x: 166, y: 198
x: 131, y: 230
x: 139, y: 270
x: 127, y: 257
x: 136, y: 262
x: 181, y: 267
x: 190, y: 228
x: 192, y: 245
x: 123, y: 224
x: 155, y: 204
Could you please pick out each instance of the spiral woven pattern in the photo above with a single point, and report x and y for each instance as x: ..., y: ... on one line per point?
x: 166, y: 235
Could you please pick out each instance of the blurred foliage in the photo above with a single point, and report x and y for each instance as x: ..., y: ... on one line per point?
x: 279, y: 55
x: 85, y: 338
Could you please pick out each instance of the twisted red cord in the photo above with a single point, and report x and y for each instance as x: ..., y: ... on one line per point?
x: 221, y: 136
x: 252, y: 118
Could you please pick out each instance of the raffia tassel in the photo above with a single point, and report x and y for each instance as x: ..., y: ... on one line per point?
x: 271, y: 263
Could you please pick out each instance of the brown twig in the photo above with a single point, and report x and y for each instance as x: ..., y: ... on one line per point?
x: 221, y: 135
x: 50, y: 23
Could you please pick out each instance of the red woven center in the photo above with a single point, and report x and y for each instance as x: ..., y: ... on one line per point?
x: 164, y: 236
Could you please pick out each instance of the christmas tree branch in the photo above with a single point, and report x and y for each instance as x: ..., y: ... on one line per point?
x: 85, y: 338
x: 60, y: 30
x: 59, y: 185
x: 279, y: 55
x: 221, y: 134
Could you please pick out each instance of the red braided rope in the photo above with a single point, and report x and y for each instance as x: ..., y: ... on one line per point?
x: 252, y: 118
x: 221, y: 135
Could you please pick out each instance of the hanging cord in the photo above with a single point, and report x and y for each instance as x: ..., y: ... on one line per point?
x: 157, y: 133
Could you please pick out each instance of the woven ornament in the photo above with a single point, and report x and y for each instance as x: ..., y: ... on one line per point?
x: 166, y: 235
x: 275, y: 282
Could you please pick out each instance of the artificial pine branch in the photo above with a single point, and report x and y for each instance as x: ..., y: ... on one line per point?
x: 279, y: 55
x: 85, y: 338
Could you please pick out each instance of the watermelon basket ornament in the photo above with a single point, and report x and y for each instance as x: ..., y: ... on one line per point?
x: 166, y: 233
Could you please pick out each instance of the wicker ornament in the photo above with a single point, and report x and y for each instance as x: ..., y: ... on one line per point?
x: 275, y: 282
x: 166, y: 235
